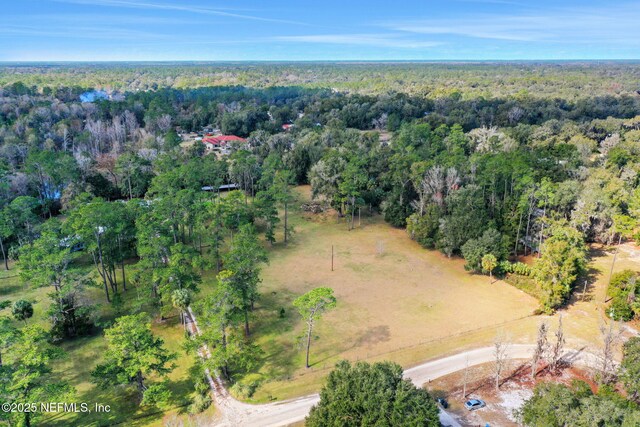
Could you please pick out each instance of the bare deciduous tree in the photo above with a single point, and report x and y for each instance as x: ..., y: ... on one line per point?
x: 542, y: 345
x: 500, y: 352
x: 515, y: 114
x: 609, y: 142
x: 607, y: 367
x: 555, y: 355
x: 130, y: 123
x: 164, y: 122
x: 381, y: 122
x: 435, y: 185
x: 98, y: 134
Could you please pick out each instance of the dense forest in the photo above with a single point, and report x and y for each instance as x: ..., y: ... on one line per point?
x: 488, y: 162
x: 564, y: 80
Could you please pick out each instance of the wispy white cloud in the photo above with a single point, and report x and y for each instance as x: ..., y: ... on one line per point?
x: 82, y: 32
x: 73, y: 19
x: 380, y: 40
x: 179, y: 7
x: 506, y: 2
x: 506, y: 29
x: 577, y: 25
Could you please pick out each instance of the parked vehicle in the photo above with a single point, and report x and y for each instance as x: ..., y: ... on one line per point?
x: 474, y: 404
x: 443, y: 402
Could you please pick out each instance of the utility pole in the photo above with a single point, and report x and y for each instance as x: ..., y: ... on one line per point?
x: 615, y: 255
x: 331, y: 257
x: 466, y: 374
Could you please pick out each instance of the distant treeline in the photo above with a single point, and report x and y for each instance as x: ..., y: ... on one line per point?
x: 569, y: 80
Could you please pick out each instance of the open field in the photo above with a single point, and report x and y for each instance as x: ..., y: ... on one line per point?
x: 400, y: 303
x: 397, y: 302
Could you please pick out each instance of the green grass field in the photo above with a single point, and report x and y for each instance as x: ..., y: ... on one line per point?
x: 83, y: 354
x: 396, y: 301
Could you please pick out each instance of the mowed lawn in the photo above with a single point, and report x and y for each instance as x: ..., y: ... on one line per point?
x: 396, y: 301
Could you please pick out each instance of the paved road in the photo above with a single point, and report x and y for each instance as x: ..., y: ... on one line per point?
x: 235, y: 413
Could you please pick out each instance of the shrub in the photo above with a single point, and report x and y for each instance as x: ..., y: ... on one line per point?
x: 519, y: 268
x: 22, y: 310
x: 620, y: 309
x: 200, y: 403
x: 245, y: 390
x: 624, y: 293
x: 202, y: 386
x: 620, y: 283
x: 474, y: 249
x: 425, y: 229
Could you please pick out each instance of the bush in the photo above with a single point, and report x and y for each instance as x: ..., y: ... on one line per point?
x: 245, y: 390
x: 474, y: 249
x: 624, y: 293
x: 425, y: 229
x: 519, y: 268
x: 620, y: 309
x: 200, y: 403
x: 620, y: 283
x: 22, y: 310
x: 202, y: 386
x: 394, y: 212
x: 157, y: 395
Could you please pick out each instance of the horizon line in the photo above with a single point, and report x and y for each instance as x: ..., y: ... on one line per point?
x: 219, y: 61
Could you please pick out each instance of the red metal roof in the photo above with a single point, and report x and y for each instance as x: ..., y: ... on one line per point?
x: 222, y: 139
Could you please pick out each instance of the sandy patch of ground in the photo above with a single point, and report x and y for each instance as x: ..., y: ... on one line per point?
x: 501, y: 406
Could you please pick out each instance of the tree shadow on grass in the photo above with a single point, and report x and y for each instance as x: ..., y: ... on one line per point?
x: 584, y: 287
x: 372, y: 336
x: 10, y: 288
x: 181, y: 390
x: 124, y: 408
x: 122, y: 402
x: 367, y: 338
x: 598, y: 251
x: 271, y: 323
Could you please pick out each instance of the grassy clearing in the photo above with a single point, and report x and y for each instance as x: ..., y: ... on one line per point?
x: 396, y: 301
x: 83, y: 354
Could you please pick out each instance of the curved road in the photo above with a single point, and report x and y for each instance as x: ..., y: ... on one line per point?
x: 235, y: 413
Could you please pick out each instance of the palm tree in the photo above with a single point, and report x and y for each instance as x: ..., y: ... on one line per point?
x: 489, y: 263
x: 181, y: 298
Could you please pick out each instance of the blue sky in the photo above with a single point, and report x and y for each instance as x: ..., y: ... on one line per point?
x: 147, y: 30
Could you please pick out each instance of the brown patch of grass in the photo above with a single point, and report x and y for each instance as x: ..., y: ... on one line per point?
x: 397, y: 305
x: 405, y: 304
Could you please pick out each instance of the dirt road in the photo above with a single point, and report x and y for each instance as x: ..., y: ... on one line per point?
x: 235, y: 413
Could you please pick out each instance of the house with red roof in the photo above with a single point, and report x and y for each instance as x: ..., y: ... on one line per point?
x: 220, y: 142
